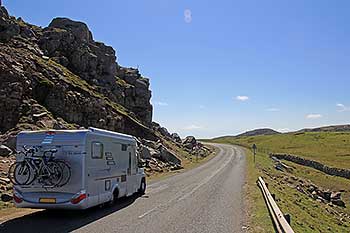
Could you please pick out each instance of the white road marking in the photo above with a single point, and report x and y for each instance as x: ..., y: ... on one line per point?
x: 205, y: 180
x: 182, y: 197
x: 148, y: 212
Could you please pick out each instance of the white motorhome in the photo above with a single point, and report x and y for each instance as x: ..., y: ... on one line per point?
x: 104, y: 167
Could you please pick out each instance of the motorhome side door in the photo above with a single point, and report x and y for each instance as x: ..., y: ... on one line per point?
x: 96, y: 171
x: 132, y: 171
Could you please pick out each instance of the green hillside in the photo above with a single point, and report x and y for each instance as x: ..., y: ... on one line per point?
x: 330, y: 148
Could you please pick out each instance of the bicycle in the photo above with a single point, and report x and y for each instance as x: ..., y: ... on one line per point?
x: 44, y: 169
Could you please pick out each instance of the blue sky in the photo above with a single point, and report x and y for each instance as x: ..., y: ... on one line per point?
x: 222, y: 67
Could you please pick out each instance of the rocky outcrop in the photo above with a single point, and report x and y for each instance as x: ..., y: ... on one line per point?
x: 320, y: 194
x: 314, y: 164
x: 71, y: 44
x: 59, y: 77
x: 136, y: 93
x: 8, y: 27
x: 158, y: 151
x: 189, y: 144
x: 157, y: 157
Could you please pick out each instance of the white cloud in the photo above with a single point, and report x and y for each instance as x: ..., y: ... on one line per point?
x: 342, y: 108
x: 242, y: 98
x: 159, y: 103
x: 273, y: 109
x: 192, y: 127
x: 188, y: 16
x: 313, y: 116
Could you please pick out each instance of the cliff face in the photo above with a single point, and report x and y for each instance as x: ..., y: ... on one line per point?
x: 59, y: 77
x: 71, y: 44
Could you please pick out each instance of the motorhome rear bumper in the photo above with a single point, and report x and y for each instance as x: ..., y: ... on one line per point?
x: 59, y: 200
x: 65, y: 205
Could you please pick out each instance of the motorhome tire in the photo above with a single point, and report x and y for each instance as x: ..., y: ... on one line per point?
x: 115, y: 197
x: 142, y: 188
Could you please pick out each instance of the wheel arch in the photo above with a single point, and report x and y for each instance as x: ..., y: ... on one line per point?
x: 116, y: 189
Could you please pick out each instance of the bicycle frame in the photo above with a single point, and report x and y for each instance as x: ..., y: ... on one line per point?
x: 37, y: 167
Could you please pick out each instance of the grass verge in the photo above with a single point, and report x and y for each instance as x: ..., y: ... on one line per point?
x: 258, y: 217
x: 308, y: 214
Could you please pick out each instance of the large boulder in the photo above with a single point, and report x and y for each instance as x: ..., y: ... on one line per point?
x: 5, y: 151
x: 6, y: 197
x: 149, y: 143
x: 176, y: 137
x: 164, y: 131
x: 80, y: 30
x: 155, y: 153
x: 168, y: 156
x: 338, y: 202
x: 189, y: 142
x: 145, y: 153
x: 335, y: 198
x: 190, y: 139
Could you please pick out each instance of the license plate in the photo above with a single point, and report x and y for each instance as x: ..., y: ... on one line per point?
x: 47, y: 200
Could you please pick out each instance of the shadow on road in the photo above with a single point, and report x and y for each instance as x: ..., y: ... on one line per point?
x: 62, y: 220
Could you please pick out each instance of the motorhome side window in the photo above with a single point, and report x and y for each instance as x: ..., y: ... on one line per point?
x: 97, y: 150
x: 124, y: 147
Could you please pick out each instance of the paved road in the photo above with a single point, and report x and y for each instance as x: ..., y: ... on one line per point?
x: 205, y: 199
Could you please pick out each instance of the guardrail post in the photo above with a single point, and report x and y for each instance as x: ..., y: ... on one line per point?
x: 273, y: 196
x: 288, y: 218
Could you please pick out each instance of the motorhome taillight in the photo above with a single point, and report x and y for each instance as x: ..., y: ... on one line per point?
x: 76, y: 200
x: 17, y: 199
x: 50, y: 133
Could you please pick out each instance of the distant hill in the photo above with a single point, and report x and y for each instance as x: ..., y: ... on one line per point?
x: 257, y: 132
x: 331, y: 128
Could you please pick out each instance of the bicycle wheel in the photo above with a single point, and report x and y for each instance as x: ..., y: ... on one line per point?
x: 50, y: 174
x: 66, y: 172
x: 11, y: 173
x: 19, y: 173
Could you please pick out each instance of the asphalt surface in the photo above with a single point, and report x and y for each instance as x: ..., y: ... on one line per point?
x: 208, y: 198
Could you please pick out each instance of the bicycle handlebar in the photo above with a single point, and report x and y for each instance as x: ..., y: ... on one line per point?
x: 34, y: 150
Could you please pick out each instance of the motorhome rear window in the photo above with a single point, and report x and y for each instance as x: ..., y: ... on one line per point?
x: 97, y: 150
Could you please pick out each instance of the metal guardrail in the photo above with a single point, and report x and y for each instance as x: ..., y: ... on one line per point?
x: 281, y: 224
